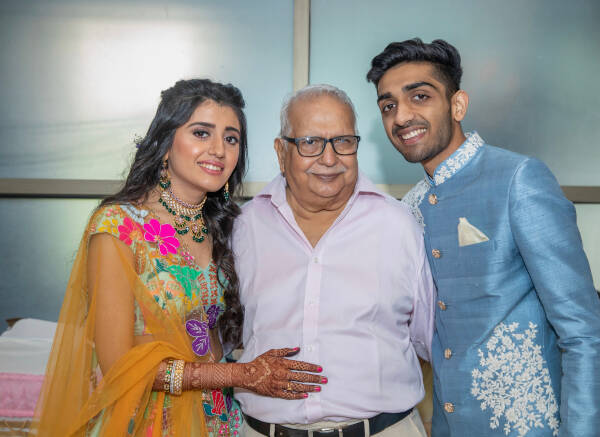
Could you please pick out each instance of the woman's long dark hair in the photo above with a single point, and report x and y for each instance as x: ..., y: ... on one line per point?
x: 176, y: 107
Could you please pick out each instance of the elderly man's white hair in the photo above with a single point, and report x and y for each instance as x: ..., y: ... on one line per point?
x: 310, y: 91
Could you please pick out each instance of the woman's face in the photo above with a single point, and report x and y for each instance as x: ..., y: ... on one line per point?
x: 205, y: 151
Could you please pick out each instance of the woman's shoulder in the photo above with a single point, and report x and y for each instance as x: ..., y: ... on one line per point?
x: 123, y: 221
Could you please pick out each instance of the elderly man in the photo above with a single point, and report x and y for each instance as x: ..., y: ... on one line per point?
x: 330, y: 264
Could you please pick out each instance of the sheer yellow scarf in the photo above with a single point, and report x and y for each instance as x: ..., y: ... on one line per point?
x: 70, y: 400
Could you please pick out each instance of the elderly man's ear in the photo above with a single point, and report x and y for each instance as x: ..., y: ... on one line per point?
x: 280, y: 149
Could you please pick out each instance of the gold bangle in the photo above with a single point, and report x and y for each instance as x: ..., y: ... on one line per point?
x: 177, y: 377
x: 168, y: 372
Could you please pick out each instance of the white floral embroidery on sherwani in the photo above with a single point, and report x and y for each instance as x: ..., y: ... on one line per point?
x: 414, y: 198
x: 446, y: 169
x: 458, y: 159
x: 514, y: 382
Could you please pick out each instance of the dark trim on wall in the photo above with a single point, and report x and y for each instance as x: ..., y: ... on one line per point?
x: 582, y: 194
x: 96, y: 188
x: 58, y: 188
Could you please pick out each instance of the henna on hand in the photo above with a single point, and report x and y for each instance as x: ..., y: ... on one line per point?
x: 207, y: 376
x: 159, y: 380
x: 198, y: 376
x: 271, y: 374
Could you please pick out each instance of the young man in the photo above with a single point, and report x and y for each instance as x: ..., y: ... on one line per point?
x: 517, y: 320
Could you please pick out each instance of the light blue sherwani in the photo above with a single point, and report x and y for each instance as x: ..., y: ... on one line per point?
x: 517, y: 347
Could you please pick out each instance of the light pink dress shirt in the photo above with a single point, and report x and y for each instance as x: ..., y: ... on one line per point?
x: 360, y: 303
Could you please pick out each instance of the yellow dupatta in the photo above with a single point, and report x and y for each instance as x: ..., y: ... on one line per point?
x: 122, y: 403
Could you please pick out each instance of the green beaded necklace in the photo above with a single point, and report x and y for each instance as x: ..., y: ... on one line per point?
x: 188, y: 217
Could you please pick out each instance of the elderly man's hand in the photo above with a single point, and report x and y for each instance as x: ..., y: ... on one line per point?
x: 271, y: 374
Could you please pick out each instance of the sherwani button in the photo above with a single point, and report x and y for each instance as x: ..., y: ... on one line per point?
x: 449, y: 407
x: 442, y: 305
x: 447, y: 354
x: 436, y: 253
x: 433, y: 199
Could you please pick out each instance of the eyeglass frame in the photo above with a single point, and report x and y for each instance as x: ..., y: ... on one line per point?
x: 326, y: 140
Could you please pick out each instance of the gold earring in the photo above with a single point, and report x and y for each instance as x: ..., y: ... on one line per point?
x: 164, y: 181
x: 226, y: 191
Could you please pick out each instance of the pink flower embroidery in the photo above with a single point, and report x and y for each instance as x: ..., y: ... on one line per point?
x: 189, y: 258
x: 163, y: 235
x: 127, y: 229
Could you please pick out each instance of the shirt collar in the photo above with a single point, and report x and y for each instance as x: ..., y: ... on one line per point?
x: 457, y: 160
x: 276, y: 189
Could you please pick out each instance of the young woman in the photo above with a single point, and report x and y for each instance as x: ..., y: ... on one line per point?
x: 153, y: 301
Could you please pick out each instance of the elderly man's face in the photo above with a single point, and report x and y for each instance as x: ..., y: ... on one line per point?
x: 325, y: 181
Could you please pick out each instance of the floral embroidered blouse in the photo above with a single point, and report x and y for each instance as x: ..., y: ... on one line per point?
x: 170, y: 274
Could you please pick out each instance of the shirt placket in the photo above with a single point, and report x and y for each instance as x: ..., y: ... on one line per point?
x: 310, y: 345
x: 312, y: 296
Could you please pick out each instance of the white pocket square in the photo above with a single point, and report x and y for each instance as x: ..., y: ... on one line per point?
x: 469, y: 234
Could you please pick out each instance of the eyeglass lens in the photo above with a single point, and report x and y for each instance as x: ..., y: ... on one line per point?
x: 312, y: 146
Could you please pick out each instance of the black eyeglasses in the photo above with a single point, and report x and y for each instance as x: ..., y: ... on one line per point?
x: 314, y: 146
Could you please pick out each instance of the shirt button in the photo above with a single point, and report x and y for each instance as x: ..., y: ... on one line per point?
x: 447, y: 354
x: 436, y: 253
x: 316, y: 260
x: 449, y: 407
x: 309, y: 348
x: 433, y: 199
x: 442, y: 305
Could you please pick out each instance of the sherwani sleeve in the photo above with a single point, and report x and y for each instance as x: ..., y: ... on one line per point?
x: 545, y: 230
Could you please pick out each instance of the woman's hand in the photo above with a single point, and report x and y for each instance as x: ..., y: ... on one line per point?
x: 271, y: 374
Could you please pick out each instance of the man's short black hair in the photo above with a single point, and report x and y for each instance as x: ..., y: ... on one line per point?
x: 444, y: 57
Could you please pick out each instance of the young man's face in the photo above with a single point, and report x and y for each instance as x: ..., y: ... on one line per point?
x: 419, y: 118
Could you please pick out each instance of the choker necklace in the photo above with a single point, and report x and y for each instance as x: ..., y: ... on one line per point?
x: 185, y: 204
x: 188, y: 217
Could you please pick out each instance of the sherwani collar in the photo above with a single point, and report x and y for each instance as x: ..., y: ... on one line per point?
x: 457, y: 160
